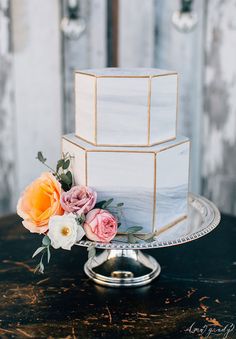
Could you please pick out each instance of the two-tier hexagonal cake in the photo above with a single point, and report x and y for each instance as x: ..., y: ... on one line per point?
x: 126, y: 146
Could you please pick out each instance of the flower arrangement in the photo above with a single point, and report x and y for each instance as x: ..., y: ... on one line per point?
x: 65, y: 213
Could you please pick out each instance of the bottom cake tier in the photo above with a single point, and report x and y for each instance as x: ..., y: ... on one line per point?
x: 152, y: 182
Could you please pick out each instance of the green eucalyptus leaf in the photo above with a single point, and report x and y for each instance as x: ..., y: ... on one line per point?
x: 49, y: 253
x: 150, y: 236
x: 46, y: 241
x: 40, y: 249
x: 131, y: 238
x: 41, y: 267
x: 40, y: 157
x: 91, y: 251
x: 150, y: 239
x: 80, y: 219
x: 64, y: 186
x: 59, y: 164
x: 120, y: 204
x: 134, y: 229
x: 107, y: 203
x: 65, y: 179
x: 69, y: 176
x: 100, y: 204
x: 66, y: 164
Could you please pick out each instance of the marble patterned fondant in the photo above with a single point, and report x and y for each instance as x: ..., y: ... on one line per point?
x: 85, y: 106
x: 122, y: 111
x: 151, y: 181
x: 116, y: 175
x: 116, y: 106
x: 128, y: 72
x: 163, y: 110
x: 172, y: 178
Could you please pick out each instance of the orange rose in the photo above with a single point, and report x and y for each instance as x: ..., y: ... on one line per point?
x: 40, y: 201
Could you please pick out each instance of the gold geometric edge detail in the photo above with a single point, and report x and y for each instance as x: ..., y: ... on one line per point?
x: 154, y: 193
x: 125, y: 151
x: 86, y: 169
x: 177, y: 105
x: 155, y: 181
x: 125, y: 145
x: 155, y: 187
x: 76, y: 101
x: 164, y: 228
x: 95, y: 112
x: 126, y: 76
x: 171, y: 224
x: 148, y: 108
x: 189, y: 164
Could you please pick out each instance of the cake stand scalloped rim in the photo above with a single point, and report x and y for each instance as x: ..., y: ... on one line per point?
x: 208, y: 226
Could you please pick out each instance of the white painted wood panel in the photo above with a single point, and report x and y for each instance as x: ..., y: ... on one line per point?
x: 183, y: 52
x: 97, y: 33
x: 136, y: 33
x: 219, y: 142
x: 37, y: 84
x: 7, y: 130
x: 86, y: 52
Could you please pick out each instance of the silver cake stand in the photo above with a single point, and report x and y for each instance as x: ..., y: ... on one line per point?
x: 122, y: 264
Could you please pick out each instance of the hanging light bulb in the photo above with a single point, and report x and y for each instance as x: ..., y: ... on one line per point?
x: 72, y: 25
x: 185, y: 20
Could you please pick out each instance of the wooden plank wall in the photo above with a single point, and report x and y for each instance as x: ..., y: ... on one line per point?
x: 37, y: 86
x: 136, y: 33
x: 219, y: 119
x: 7, y: 154
x: 183, y: 52
x: 88, y: 51
x: 37, y: 99
x: 147, y: 38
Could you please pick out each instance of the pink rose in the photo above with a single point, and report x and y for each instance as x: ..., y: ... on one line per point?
x: 100, y: 225
x: 79, y: 199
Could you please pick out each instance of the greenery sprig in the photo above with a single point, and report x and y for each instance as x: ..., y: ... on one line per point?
x: 62, y: 172
x: 134, y: 238
x: 132, y: 232
x: 44, y: 249
x: 91, y: 251
x: 80, y: 219
x: 114, y: 209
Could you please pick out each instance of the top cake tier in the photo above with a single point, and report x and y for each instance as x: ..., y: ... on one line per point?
x: 126, y: 107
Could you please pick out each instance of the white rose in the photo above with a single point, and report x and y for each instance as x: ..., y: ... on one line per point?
x: 64, y: 231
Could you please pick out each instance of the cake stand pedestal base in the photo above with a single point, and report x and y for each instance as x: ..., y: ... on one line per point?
x: 123, y: 264
x: 122, y: 268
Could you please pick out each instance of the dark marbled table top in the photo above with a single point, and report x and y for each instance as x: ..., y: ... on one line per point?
x: 195, y: 295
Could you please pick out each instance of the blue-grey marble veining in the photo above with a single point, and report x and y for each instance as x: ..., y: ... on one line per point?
x: 137, y: 209
x: 155, y: 149
x: 128, y: 176
x: 171, y: 204
x: 172, y: 168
